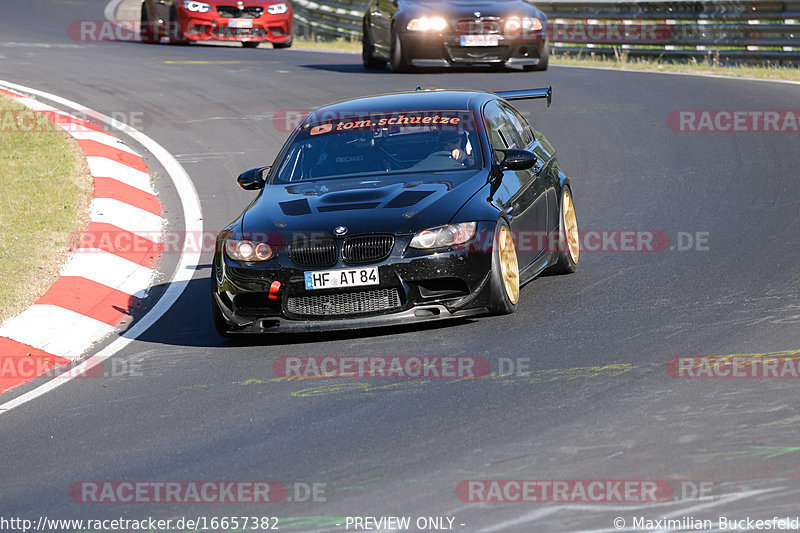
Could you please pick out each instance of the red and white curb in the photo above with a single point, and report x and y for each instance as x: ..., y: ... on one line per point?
x: 101, y: 282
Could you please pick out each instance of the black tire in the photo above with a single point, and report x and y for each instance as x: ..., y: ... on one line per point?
x: 174, y: 31
x: 565, y: 263
x: 398, y: 62
x: 147, y: 33
x: 502, y: 300
x: 543, y: 62
x: 287, y: 44
x: 250, y: 44
x: 368, y: 53
x: 216, y: 315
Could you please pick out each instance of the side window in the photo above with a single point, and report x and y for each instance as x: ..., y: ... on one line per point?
x: 521, y: 127
x: 495, y: 125
x: 507, y: 127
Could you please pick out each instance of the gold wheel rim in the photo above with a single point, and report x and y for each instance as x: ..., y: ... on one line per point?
x: 571, y: 228
x: 509, y: 268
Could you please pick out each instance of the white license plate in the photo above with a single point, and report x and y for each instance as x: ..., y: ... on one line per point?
x: 240, y: 23
x: 336, y: 279
x: 480, y: 40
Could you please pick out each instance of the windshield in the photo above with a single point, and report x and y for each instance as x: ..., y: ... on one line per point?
x: 385, y: 144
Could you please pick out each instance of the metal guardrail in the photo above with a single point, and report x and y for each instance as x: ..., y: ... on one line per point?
x: 737, y: 30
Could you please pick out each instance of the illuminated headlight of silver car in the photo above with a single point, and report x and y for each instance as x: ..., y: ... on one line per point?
x: 427, y: 24
x: 514, y: 25
x: 444, y: 236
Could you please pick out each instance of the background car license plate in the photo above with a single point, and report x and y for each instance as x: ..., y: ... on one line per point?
x: 480, y: 40
x: 240, y: 23
x: 334, y: 279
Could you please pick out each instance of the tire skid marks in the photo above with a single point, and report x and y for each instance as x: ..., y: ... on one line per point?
x: 528, y: 520
x: 111, y: 268
x: 353, y: 388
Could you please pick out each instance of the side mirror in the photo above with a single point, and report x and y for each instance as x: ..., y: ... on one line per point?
x: 515, y: 159
x: 253, y: 179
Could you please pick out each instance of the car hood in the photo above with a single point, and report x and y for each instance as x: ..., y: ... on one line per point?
x: 466, y: 9
x: 400, y: 205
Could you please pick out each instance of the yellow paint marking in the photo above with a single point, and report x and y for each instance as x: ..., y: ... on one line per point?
x: 541, y: 376
x: 360, y: 388
x: 366, y: 388
x: 195, y: 387
x: 252, y: 382
x: 791, y: 421
x: 581, y: 372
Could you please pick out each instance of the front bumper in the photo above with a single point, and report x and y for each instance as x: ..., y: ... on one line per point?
x: 427, y: 50
x: 414, y: 286
x: 208, y: 26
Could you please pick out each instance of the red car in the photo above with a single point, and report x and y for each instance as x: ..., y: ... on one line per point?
x: 248, y: 21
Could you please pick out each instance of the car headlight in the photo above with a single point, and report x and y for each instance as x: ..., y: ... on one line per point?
x: 427, y: 24
x: 278, y: 9
x: 243, y: 250
x: 516, y: 24
x: 197, y: 7
x: 444, y: 236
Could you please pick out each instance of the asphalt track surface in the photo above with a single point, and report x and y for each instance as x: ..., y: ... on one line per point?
x: 598, y: 404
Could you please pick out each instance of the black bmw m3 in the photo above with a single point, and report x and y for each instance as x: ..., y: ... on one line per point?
x: 392, y: 209
x: 444, y: 33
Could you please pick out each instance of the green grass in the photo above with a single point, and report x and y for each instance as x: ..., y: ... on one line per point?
x: 44, y: 197
x: 328, y: 44
x: 621, y: 61
x: 702, y: 66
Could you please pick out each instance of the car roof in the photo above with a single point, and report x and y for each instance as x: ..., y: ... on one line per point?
x: 420, y: 100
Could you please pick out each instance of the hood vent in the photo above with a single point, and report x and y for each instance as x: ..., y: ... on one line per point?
x: 407, y: 199
x: 295, y: 208
x: 347, y: 207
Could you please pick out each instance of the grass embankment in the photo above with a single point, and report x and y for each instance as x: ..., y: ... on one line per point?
x: 692, y: 66
x: 620, y: 61
x: 349, y: 45
x: 45, y: 190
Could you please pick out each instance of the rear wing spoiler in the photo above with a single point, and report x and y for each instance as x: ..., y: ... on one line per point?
x: 527, y: 94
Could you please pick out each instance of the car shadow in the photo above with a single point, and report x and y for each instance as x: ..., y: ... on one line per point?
x: 358, y: 68
x: 344, y: 68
